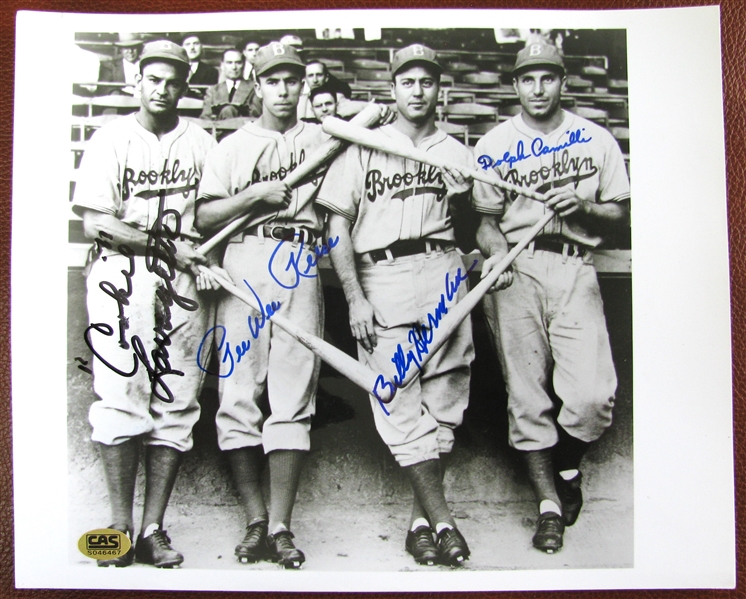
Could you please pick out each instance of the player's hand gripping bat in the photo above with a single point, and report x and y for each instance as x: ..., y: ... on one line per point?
x: 323, y: 154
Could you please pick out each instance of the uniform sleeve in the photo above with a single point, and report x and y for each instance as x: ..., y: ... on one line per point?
x: 98, y: 186
x: 487, y: 199
x: 613, y: 182
x: 216, y: 175
x: 343, y: 185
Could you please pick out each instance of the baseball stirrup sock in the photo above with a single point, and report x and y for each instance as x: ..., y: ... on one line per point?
x: 284, y: 474
x: 569, y: 451
x: 428, y: 488
x: 246, y: 464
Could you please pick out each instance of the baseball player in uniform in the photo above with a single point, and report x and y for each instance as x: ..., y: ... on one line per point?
x: 136, y: 196
x: 549, y: 325
x: 244, y: 174
x: 395, y: 247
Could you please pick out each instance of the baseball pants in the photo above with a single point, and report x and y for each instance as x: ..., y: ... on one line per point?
x: 422, y: 415
x: 127, y: 407
x: 549, y: 328
x: 274, y: 360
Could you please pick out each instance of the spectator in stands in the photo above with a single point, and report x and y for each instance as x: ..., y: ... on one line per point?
x: 316, y: 76
x: 199, y: 72
x: 323, y: 102
x: 233, y: 97
x: 123, y: 67
x: 249, y: 54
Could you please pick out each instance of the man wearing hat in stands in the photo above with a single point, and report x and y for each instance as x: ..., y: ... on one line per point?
x: 122, y: 69
x: 136, y: 195
x: 396, y: 247
x: 199, y: 72
x: 318, y: 75
x: 549, y: 326
x: 244, y: 175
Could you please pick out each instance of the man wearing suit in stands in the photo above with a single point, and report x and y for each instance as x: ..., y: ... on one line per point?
x: 233, y: 97
x: 199, y: 72
x: 122, y: 68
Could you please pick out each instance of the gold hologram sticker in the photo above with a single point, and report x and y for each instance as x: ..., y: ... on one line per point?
x: 104, y: 543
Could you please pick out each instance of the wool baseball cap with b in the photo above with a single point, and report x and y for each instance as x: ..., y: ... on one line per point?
x: 414, y: 53
x: 163, y: 50
x: 274, y: 55
x: 538, y: 55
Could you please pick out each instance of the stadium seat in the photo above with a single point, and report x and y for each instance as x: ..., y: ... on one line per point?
x: 595, y: 74
x: 345, y: 76
x: 484, y: 78
x: 621, y: 134
x: 332, y: 64
x: 460, y: 67
x: 596, y: 115
x: 366, y: 75
x: 469, y: 112
x: 369, y: 64
x: 477, y: 130
x: 508, y: 111
x: 617, y: 86
x: 578, y: 84
x: 617, y: 109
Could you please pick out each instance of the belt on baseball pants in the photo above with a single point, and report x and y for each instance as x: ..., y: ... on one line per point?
x: 278, y: 233
x: 571, y: 250
x: 410, y: 247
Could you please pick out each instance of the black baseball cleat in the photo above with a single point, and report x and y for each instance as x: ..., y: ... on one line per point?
x: 123, y: 560
x: 452, y: 547
x: 421, y: 547
x: 254, y: 545
x: 281, y: 549
x: 156, y: 550
x: 571, y: 496
x: 549, y: 532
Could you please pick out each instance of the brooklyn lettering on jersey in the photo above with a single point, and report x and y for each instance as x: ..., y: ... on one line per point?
x: 281, y: 172
x: 166, y: 176
x: 427, y: 180
x: 563, y: 171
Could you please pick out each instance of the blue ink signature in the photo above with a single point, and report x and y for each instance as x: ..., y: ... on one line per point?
x: 538, y: 148
x: 294, y: 262
x: 421, y: 337
x: 218, y: 335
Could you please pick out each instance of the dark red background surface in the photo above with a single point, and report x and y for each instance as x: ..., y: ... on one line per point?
x: 733, y: 14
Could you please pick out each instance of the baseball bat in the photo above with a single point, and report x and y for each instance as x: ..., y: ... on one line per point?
x: 462, y: 309
x: 358, y: 373
x: 379, y: 141
x: 324, y: 153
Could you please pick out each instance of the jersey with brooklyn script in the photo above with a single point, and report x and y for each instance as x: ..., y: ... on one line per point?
x: 391, y: 198
x: 254, y: 154
x: 131, y: 174
x: 578, y: 153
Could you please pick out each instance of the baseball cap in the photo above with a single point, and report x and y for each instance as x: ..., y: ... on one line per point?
x: 164, y: 50
x: 414, y: 53
x: 534, y: 55
x: 274, y: 55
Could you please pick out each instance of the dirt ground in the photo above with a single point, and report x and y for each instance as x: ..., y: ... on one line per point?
x: 353, y: 503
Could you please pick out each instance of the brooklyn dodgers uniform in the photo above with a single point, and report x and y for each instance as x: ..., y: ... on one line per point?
x: 393, y: 202
x: 549, y: 324
x: 143, y: 181
x: 275, y: 262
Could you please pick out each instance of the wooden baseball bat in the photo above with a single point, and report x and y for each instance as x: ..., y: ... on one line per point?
x: 324, y: 153
x: 358, y: 373
x: 379, y: 141
x: 458, y: 313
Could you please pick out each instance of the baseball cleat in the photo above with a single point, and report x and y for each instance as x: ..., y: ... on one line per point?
x: 571, y: 496
x: 549, y: 532
x: 282, y: 550
x: 421, y: 547
x: 156, y: 550
x: 452, y: 547
x: 254, y: 545
x: 123, y: 560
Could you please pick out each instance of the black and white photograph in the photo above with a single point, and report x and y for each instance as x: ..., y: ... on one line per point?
x: 351, y: 298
